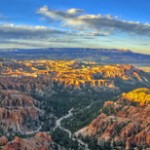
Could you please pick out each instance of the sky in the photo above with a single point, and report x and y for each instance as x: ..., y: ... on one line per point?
x: 120, y: 24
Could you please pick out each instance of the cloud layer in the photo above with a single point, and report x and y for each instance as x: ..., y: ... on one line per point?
x: 74, y: 28
x: 11, y: 31
x: 26, y: 36
x: 99, y: 23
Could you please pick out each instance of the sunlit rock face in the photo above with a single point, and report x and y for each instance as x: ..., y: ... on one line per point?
x: 19, y: 112
x: 37, y: 77
x: 41, y: 141
x: 25, y: 86
x: 125, y: 122
x: 141, y: 96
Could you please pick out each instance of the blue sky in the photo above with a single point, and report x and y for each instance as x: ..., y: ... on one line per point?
x: 122, y: 24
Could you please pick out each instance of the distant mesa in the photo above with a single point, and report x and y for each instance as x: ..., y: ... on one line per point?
x: 102, y: 55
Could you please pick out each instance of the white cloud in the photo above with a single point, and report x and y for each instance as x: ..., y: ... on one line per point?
x: 75, y: 28
x: 25, y: 36
x: 11, y: 31
x: 97, y: 23
x: 74, y: 11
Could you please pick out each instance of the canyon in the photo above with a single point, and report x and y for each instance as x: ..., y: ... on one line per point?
x: 123, y: 123
x: 41, y: 141
x: 35, y: 95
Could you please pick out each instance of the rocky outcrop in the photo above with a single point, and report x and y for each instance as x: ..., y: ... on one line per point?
x: 3, y: 140
x: 19, y: 113
x: 41, y: 87
x: 124, y: 123
x: 41, y: 141
x: 141, y: 96
x: 68, y: 73
x: 26, y: 87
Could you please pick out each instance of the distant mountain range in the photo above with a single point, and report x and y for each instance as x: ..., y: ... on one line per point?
x: 102, y: 56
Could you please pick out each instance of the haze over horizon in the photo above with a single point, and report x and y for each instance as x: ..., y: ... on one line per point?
x: 108, y: 24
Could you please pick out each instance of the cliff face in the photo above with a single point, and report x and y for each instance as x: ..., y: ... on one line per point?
x: 41, y: 87
x: 141, y: 96
x: 3, y: 141
x: 70, y: 73
x: 50, y: 81
x: 19, y: 112
x: 123, y: 123
x: 42, y: 78
x: 41, y: 141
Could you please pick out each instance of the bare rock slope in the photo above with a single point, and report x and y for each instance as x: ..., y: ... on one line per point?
x: 124, y: 123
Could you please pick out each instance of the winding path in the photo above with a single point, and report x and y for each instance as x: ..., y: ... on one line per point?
x: 58, y: 122
x: 71, y: 136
